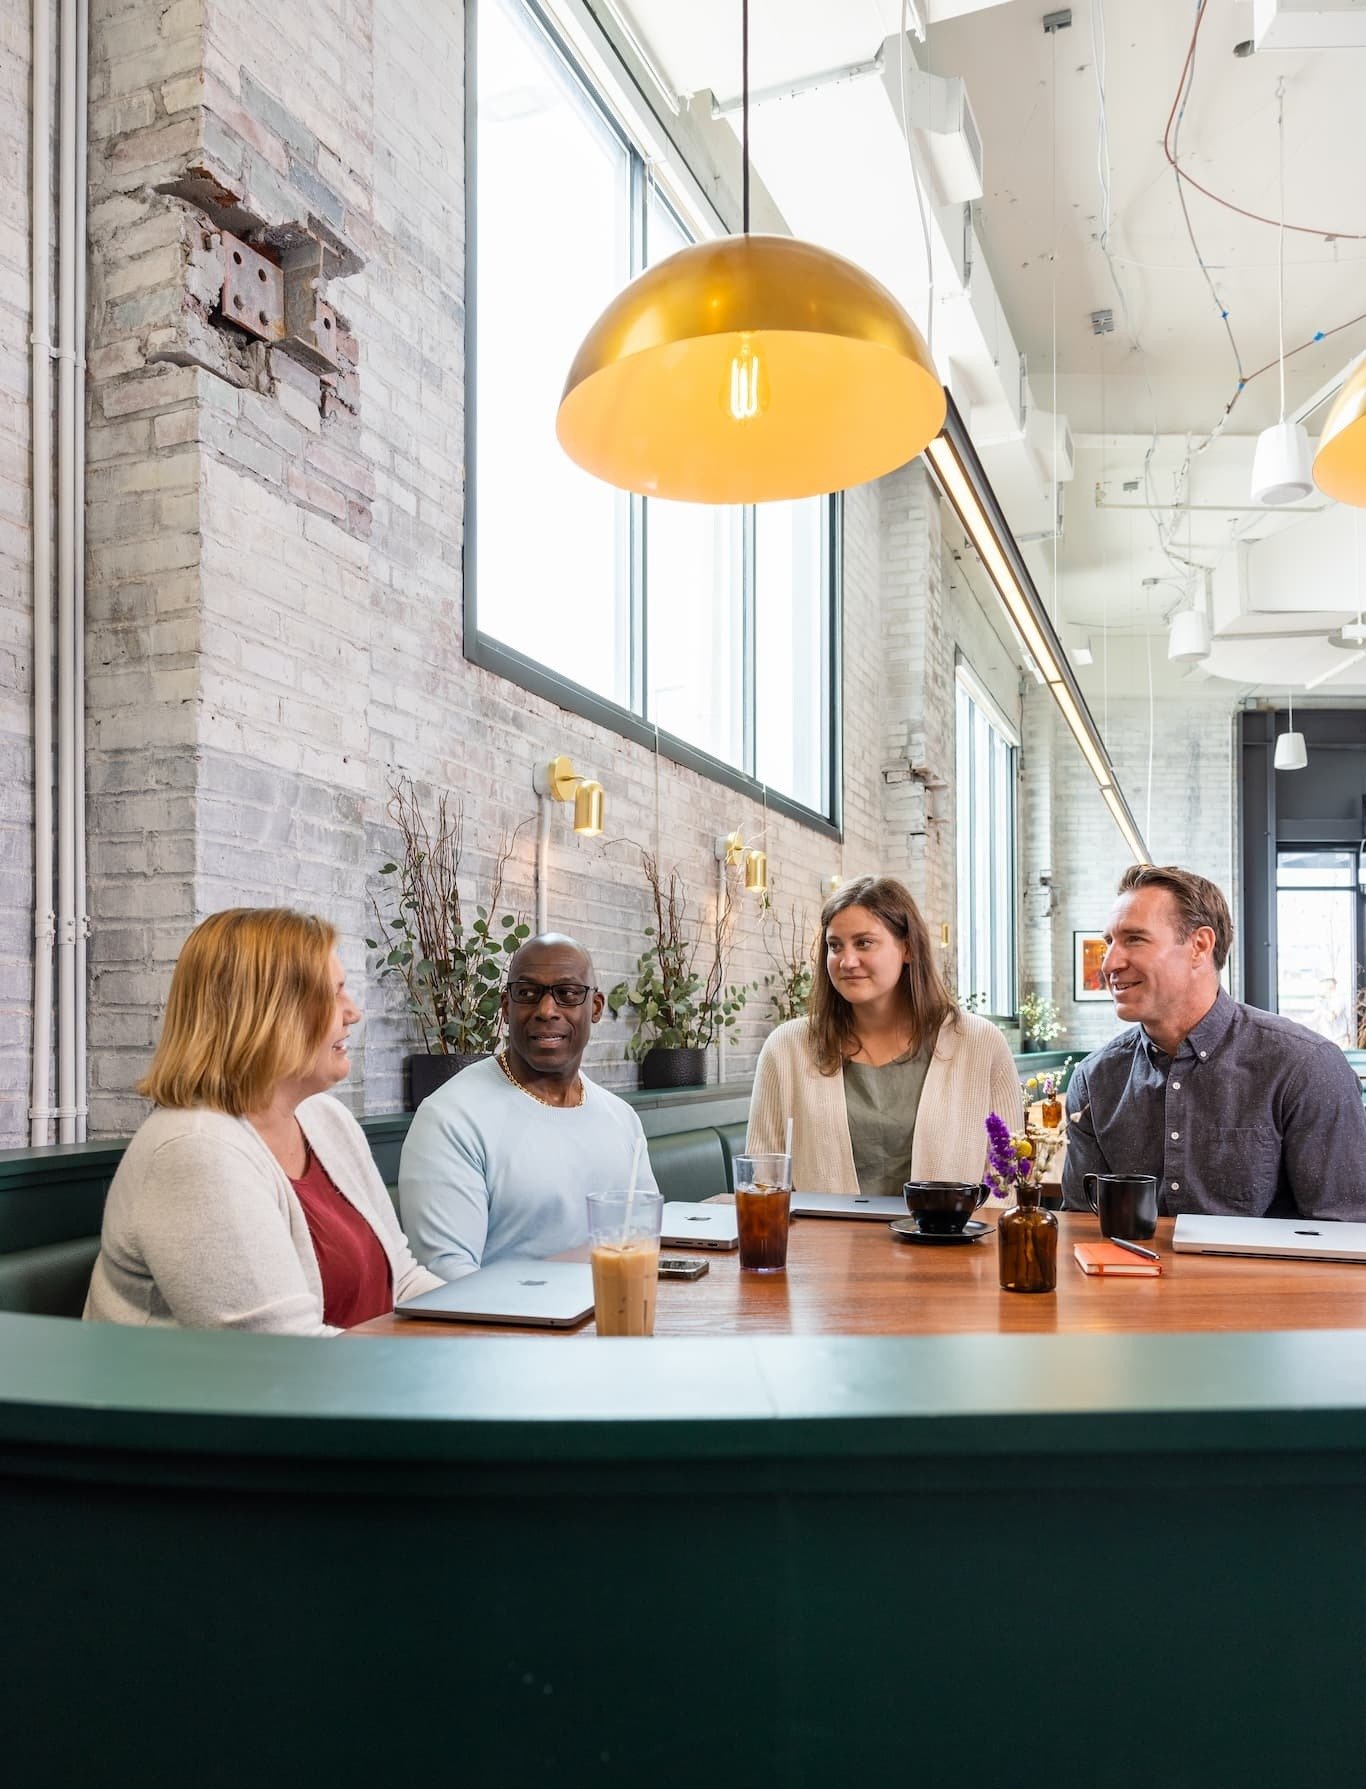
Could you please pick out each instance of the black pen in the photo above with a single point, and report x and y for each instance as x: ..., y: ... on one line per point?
x: 1134, y: 1249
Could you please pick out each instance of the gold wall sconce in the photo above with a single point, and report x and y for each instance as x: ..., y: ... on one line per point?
x: 559, y: 781
x: 734, y: 854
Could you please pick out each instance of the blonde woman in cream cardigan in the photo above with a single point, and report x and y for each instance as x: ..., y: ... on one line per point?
x: 886, y: 1080
x: 249, y: 1198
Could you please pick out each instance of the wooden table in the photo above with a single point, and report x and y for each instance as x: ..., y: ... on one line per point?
x: 855, y: 1278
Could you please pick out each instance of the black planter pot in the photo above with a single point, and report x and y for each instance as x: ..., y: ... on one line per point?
x: 673, y: 1068
x: 424, y: 1074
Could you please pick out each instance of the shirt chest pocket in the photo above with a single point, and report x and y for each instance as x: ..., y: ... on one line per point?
x: 1251, y: 1171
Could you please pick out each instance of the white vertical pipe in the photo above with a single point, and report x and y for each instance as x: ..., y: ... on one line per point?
x: 41, y: 411
x: 542, y: 865
x: 66, y: 578
x: 78, y: 744
x: 721, y: 868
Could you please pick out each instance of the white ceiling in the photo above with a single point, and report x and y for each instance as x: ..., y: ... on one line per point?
x: 1169, y: 371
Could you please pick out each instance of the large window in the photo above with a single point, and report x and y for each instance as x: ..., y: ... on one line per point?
x: 1317, y: 919
x: 986, y: 760
x: 712, y: 626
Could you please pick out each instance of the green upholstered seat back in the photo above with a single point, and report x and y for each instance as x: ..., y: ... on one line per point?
x: 689, y: 1165
x: 733, y: 1142
x: 50, y: 1281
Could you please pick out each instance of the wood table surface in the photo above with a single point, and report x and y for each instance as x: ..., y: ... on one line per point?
x: 847, y: 1277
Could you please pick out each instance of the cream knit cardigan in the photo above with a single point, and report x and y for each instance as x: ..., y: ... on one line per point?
x: 202, y: 1229
x: 971, y: 1073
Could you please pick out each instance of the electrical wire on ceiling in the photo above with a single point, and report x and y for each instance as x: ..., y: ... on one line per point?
x: 1179, y: 112
x: 1171, y: 148
x: 1168, y: 149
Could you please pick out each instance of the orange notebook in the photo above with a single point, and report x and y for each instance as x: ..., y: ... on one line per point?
x: 1104, y: 1257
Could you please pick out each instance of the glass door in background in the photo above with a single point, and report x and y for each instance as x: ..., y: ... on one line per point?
x: 1317, y: 929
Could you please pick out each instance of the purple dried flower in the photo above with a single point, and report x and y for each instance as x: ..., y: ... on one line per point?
x: 1003, y: 1164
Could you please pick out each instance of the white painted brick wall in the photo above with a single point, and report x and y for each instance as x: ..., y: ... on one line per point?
x: 16, y: 578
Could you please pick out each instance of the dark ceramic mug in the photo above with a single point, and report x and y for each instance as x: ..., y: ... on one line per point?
x: 942, y: 1207
x: 1126, y: 1204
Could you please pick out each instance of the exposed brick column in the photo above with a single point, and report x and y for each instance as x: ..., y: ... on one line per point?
x: 916, y: 698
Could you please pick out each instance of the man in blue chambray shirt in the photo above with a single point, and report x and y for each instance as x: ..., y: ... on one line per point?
x: 1235, y: 1111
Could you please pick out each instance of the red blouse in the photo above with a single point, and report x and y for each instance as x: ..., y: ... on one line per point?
x: 357, y: 1282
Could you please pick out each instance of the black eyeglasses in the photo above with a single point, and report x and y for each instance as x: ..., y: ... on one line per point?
x: 563, y: 993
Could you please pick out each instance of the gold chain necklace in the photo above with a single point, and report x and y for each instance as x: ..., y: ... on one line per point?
x: 501, y: 1058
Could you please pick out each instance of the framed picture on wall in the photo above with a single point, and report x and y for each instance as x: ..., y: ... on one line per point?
x: 1088, y: 950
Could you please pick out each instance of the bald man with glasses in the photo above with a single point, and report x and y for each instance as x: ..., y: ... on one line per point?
x: 497, y: 1162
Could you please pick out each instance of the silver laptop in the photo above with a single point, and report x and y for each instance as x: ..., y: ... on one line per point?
x: 1307, y: 1239
x: 882, y: 1206
x: 698, y: 1226
x: 540, y: 1294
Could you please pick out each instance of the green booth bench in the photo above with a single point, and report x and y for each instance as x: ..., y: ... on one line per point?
x: 1035, y: 1560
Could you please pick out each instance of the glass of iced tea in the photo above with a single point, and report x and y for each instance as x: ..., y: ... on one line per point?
x: 624, y: 1231
x: 763, y: 1211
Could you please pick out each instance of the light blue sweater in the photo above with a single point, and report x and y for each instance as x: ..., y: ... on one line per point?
x: 488, y: 1171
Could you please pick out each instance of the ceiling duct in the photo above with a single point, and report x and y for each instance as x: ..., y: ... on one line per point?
x: 1307, y: 25
x: 940, y: 114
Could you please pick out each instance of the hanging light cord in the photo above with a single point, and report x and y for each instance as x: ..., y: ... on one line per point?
x: 744, y: 115
x: 1280, y: 234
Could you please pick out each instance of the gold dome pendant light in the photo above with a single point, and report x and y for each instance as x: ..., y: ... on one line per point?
x: 1340, y: 463
x: 748, y: 370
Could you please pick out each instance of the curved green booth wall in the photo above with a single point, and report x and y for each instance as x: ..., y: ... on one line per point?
x: 246, y: 1561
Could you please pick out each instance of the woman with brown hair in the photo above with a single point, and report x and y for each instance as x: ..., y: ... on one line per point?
x: 886, y: 1080
x: 249, y: 1198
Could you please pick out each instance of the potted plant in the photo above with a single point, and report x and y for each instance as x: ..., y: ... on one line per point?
x: 1039, y: 1022
x: 679, y: 1012
x: 451, y: 967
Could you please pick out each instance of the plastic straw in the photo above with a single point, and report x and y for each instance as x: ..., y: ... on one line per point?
x: 631, y: 1190
x: 787, y: 1148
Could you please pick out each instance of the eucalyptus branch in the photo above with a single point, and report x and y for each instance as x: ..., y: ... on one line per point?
x: 787, y: 947
x: 451, y: 967
x: 675, y: 1007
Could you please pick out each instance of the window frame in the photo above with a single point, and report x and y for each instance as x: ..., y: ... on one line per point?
x: 541, y: 680
x: 980, y: 698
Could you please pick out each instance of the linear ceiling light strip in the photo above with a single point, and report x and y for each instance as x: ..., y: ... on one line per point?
x: 963, y: 482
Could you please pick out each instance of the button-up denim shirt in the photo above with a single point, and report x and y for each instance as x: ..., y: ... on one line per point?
x: 1254, y: 1116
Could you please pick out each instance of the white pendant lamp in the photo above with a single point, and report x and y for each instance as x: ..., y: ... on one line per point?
x: 1290, y: 752
x: 1189, y: 641
x: 1282, y: 468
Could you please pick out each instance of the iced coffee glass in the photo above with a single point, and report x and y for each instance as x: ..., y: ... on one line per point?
x: 623, y: 1229
x: 763, y: 1211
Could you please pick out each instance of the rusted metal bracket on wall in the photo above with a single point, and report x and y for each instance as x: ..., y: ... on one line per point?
x: 253, y: 290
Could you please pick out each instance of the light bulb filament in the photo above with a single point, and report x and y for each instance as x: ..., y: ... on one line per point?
x: 745, y: 373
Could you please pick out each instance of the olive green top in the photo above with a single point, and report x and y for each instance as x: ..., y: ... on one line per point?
x: 881, y: 1104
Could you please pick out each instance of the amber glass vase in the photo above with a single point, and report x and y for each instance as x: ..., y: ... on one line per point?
x: 1051, y: 1114
x: 1027, y: 1236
